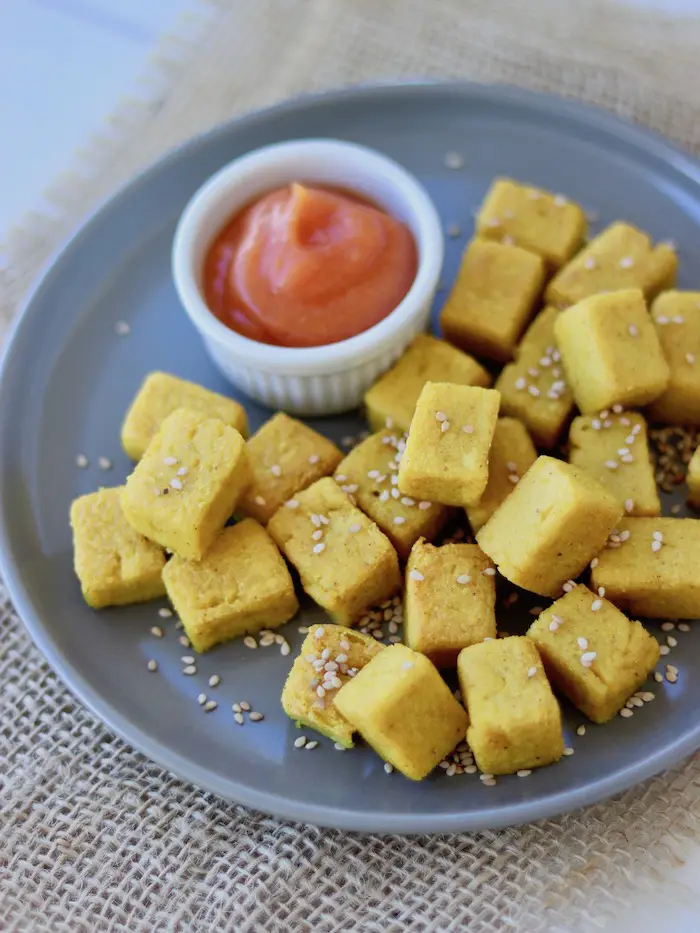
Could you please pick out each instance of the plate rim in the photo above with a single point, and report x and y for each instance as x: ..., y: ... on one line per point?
x: 189, y: 770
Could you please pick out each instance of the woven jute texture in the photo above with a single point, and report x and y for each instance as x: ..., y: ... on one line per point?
x: 95, y: 838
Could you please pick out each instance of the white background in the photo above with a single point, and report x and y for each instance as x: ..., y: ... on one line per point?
x: 64, y: 64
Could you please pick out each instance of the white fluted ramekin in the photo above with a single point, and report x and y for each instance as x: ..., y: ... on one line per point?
x: 315, y: 380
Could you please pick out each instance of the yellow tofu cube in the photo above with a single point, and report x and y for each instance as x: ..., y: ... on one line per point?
x: 188, y: 483
x: 403, y: 708
x: 514, y: 718
x: 615, y: 451
x: 391, y: 401
x: 547, y: 224
x: 114, y: 564
x: 620, y: 257
x: 556, y: 519
x: 241, y: 586
x: 285, y: 456
x: 160, y: 394
x: 610, y: 352
x: 345, y: 563
x: 533, y: 388
x: 693, y: 480
x: 348, y: 652
x: 654, y: 570
x: 447, y: 452
x: 593, y: 653
x: 449, y: 600
x: 511, y: 455
x: 492, y: 299
x: 676, y: 317
x: 369, y: 475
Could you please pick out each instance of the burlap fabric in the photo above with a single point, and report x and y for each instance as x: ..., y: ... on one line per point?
x: 92, y: 836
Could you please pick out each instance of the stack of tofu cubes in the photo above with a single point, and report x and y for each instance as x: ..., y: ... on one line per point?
x: 551, y: 344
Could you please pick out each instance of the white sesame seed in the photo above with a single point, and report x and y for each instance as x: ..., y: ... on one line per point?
x: 678, y: 319
x: 341, y: 479
x: 152, y: 665
x: 292, y: 503
x: 317, y: 535
x: 399, y: 520
x: 184, y: 641
x: 311, y: 745
x: 285, y: 648
x: 319, y: 548
x: 210, y: 706
x: 553, y: 626
x: 250, y: 642
x: 523, y: 772
x: 533, y: 372
x: 276, y: 469
x: 324, y: 520
x: 202, y: 699
x: 314, y: 458
x: 683, y: 627
x: 424, y: 505
x: 581, y: 730
x: 596, y: 605
x: 629, y: 505
x: 189, y: 670
x: 662, y: 319
x: 594, y: 563
x: 239, y: 718
x: 454, y: 161
x: 601, y: 591
x: 513, y: 478
x: 214, y: 680
x: 582, y: 643
x: 520, y: 383
x: 568, y: 751
x: 690, y: 358
x: 560, y: 200
x: 440, y: 416
x: 388, y: 768
x: 416, y: 575
x: 624, y: 535
x: 176, y: 483
x: 445, y: 426
x: 406, y: 500
x: 245, y: 706
x: 256, y: 717
x: 671, y: 641
x: 489, y: 572
x: 625, y: 712
x: 656, y: 545
x: 122, y: 329
x: 353, y: 529
x: 590, y: 262
x: 464, y: 578
x: 664, y: 649
x: 531, y: 672
x: 300, y: 742
x: 468, y: 428
x: 534, y: 391
x: 319, y: 632
x: 339, y: 748
x: 588, y: 658
x: 611, y: 464
x: 626, y: 262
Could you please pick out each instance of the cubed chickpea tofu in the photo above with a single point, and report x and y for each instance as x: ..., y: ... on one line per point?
x: 511, y: 455
x: 391, y: 401
x: 610, y: 351
x: 311, y: 685
x: 369, y: 474
x: 447, y: 452
x: 676, y: 317
x: 241, y: 586
x: 285, y: 456
x: 114, y: 564
x: 553, y: 523
x: 403, y: 708
x: 619, y: 257
x: 514, y: 718
x: 345, y: 563
x: 533, y: 388
x: 492, y: 298
x: 693, y: 480
x: 449, y: 600
x: 615, y: 451
x: 593, y: 653
x: 545, y: 223
x: 188, y: 483
x: 159, y: 395
x: 652, y: 568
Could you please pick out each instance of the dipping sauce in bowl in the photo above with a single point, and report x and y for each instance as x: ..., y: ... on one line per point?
x: 306, y: 266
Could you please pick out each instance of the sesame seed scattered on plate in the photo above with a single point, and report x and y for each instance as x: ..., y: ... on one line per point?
x: 256, y: 717
x: 250, y: 642
x: 671, y: 641
x: 625, y: 712
x: 122, y: 329
x: 300, y: 742
x: 210, y: 706
x: 311, y: 745
x: 524, y: 772
x: 82, y: 461
x: 157, y: 631
x: 568, y: 751
x: 581, y: 730
x: 560, y: 200
x: 454, y: 160
x: 239, y: 718
x: 184, y: 641
x: 189, y: 670
x: 664, y: 649
x: 152, y: 665
x: 165, y: 613
x: 214, y: 680
x: 202, y: 699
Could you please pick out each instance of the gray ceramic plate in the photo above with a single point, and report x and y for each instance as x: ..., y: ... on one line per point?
x: 67, y: 380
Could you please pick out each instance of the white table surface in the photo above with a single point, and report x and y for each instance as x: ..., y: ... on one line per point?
x: 64, y: 64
